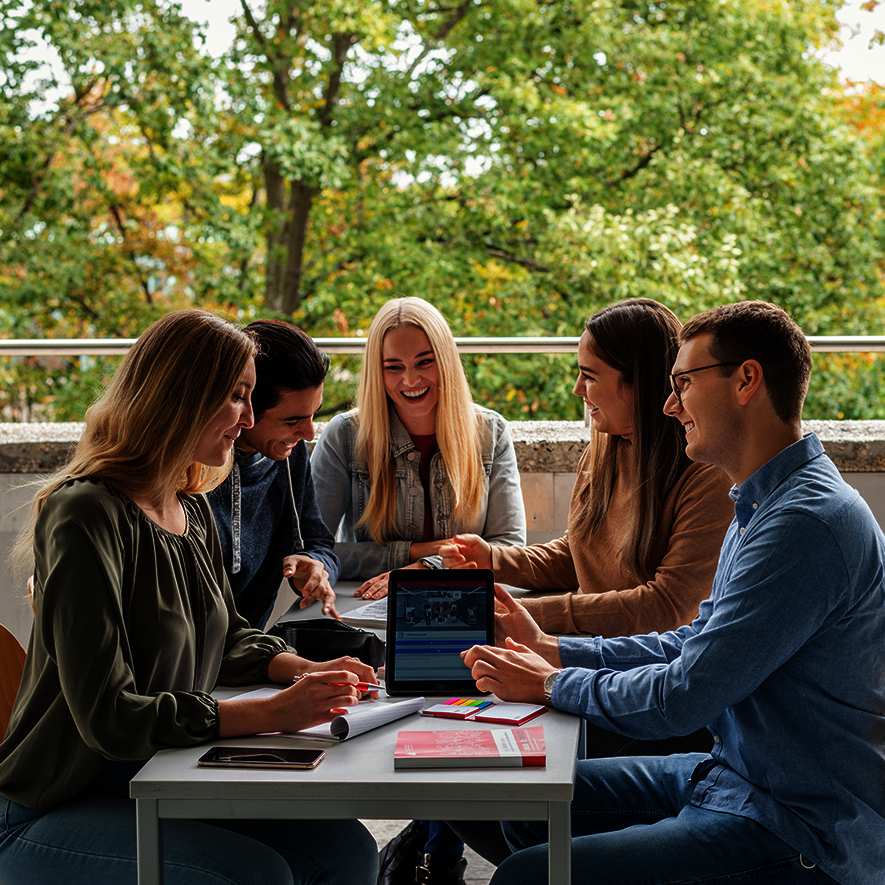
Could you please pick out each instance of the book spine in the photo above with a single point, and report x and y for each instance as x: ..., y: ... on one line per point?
x: 533, y: 760
x: 461, y: 716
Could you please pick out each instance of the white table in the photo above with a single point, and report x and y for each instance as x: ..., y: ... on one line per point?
x: 357, y: 780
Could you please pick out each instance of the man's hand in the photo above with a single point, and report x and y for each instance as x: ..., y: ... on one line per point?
x: 513, y: 673
x: 513, y: 622
x: 312, y: 580
x: 466, y: 551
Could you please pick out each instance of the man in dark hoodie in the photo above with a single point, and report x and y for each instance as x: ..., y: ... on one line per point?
x: 265, y: 510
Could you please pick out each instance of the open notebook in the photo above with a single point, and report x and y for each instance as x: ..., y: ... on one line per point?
x: 365, y: 716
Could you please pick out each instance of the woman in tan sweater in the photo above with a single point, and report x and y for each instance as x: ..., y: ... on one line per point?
x: 645, y: 523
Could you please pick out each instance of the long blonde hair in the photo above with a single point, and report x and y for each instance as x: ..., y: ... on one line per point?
x: 458, y: 424
x: 141, y: 434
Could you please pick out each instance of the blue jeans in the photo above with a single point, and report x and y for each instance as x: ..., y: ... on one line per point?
x: 91, y: 839
x: 631, y: 825
x: 441, y: 840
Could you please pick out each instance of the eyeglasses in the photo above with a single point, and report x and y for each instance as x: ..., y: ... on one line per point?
x: 677, y: 386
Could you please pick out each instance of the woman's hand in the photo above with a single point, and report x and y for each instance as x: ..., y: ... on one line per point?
x: 361, y: 672
x: 315, y: 698
x: 374, y: 588
x: 420, y: 549
x: 466, y: 551
x: 312, y: 580
x: 286, y: 667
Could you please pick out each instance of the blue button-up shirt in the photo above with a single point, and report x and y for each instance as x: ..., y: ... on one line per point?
x: 785, y: 664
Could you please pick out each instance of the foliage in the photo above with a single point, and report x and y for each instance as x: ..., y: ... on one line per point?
x: 516, y: 162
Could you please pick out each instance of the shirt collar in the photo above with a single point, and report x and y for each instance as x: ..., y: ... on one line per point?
x: 756, y: 488
x: 402, y: 442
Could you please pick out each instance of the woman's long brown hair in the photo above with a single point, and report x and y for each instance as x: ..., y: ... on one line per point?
x: 638, y: 337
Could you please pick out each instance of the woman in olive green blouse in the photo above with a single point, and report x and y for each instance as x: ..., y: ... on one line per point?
x: 134, y: 627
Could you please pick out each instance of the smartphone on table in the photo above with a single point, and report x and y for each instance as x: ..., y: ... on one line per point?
x: 260, y: 757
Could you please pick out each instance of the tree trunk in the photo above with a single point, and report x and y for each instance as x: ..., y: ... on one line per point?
x: 301, y: 198
x: 276, y: 235
x: 286, y: 237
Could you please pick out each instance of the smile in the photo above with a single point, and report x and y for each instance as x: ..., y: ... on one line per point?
x: 689, y: 426
x: 415, y: 394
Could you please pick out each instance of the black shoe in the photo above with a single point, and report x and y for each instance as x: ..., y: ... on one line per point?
x: 437, y: 870
x: 398, y: 860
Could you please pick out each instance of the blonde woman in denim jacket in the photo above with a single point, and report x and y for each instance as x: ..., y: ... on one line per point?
x: 415, y: 463
x: 342, y: 486
x: 413, y: 405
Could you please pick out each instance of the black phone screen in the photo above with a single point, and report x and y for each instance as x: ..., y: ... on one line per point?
x: 260, y: 757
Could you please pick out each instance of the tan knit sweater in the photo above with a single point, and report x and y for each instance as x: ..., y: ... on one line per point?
x: 608, y: 599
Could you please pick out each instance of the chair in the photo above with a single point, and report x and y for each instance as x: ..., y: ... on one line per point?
x: 12, y: 665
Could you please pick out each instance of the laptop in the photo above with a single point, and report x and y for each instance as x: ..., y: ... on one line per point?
x: 432, y: 616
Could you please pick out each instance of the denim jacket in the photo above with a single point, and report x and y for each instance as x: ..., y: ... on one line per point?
x: 342, y: 490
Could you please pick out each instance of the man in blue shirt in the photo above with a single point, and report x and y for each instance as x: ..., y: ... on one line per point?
x: 785, y: 663
x: 266, y: 511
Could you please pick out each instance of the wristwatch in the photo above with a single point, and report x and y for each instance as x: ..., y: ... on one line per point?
x: 548, y: 685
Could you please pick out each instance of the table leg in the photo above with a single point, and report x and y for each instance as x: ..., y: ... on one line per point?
x: 559, y: 855
x: 149, y: 829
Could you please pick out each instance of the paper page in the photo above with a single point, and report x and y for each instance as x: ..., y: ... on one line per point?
x: 373, y: 714
x: 376, y: 610
x: 365, y: 716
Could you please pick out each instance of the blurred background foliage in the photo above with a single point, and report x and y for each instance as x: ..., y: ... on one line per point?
x: 518, y: 163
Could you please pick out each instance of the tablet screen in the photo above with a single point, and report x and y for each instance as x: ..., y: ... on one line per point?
x: 432, y: 616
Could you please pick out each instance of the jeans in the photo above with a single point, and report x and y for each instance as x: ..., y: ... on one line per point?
x: 441, y: 841
x: 631, y: 825
x: 91, y: 839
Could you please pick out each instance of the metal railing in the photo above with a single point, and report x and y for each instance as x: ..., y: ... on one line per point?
x: 117, y: 346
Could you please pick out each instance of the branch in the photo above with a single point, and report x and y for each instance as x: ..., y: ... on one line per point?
x: 341, y: 44
x: 280, y: 79
x: 458, y: 13
x: 630, y: 173
x: 76, y: 299
x: 513, y: 259
x: 115, y: 211
x: 38, y: 179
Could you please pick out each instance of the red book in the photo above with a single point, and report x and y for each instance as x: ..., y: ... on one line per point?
x: 477, y: 748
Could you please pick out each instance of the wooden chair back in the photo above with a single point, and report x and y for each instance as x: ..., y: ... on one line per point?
x: 12, y: 665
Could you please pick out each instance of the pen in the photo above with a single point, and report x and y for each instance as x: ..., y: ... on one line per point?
x: 361, y: 686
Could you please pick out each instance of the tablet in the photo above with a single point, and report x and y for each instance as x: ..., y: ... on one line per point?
x: 432, y: 616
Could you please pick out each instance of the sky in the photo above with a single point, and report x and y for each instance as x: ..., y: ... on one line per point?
x: 856, y: 59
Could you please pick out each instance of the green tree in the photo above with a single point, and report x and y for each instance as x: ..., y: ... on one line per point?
x: 518, y: 163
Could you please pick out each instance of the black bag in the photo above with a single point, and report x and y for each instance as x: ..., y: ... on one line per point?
x: 322, y: 639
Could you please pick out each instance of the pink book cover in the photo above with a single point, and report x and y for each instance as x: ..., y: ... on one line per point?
x: 477, y: 748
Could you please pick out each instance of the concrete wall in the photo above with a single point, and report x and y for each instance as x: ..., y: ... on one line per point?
x: 547, y: 453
